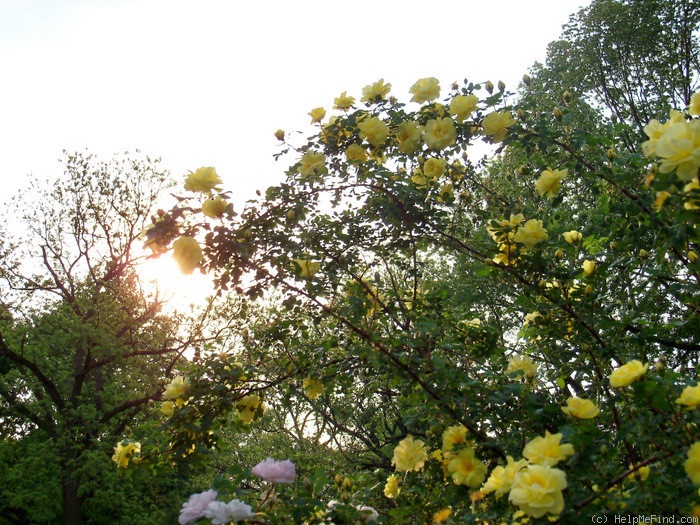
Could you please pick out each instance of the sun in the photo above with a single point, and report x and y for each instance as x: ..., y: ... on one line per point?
x: 162, y: 277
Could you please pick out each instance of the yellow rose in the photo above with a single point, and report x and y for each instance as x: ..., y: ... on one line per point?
x: 425, y: 90
x: 452, y: 436
x: 374, y: 130
x: 531, y: 233
x: 202, y: 180
x: 642, y: 473
x: 537, y: 490
x: 692, y: 464
x: 509, y: 255
x: 572, y: 237
x: 176, y: 388
x: 531, y: 318
x: 661, y: 197
x: 549, y: 182
x: 546, y: 450
x: 694, y: 106
x: 343, y: 102
x: 419, y: 179
x: 462, y: 106
x: 690, y: 396
x: 123, y: 453
x: 312, y: 387
x: 441, y: 515
x: 167, y: 409
x: 356, y: 154
x: 501, y: 479
x: 465, y: 469
x: 408, y: 136
x: 691, y: 195
x: 522, y: 364
x: 446, y: 193
x: 311, y: 164
x: 391, y: 489
x: 627, y: 374
x: 655, y: 129
x: 433, y: 168
x: 588, y: 267
x: 581, y: 408
x: 279, y: 134
x: 375, y: 92
x: 410, y: 455
x: 440, y: 133
x: 247, y: 407
x: 317, y: 115
x: 307, y: 268
x: 679, y: 149
x: 496, y: 124
x: 187, y: 254
x: 214, y: 207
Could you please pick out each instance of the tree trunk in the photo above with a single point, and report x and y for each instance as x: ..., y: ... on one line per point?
x: 71, y: 501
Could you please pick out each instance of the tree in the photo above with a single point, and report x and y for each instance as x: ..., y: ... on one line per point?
x: 637, y: 58
x: 84, y: 349
x: 467, y: 312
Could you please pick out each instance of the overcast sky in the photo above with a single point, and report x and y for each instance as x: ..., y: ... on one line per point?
x: 208, y: 82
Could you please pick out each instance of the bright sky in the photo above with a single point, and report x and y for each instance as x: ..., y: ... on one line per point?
x: 208, y: 82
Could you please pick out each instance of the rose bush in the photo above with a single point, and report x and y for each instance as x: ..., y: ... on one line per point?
x: 460, y: 304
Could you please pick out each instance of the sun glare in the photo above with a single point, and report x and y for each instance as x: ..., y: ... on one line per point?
x: 180, y: 292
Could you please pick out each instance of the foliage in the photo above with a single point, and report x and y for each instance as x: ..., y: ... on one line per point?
x: 85, y: 349
x: 637, y: 58
x: 450, y: 311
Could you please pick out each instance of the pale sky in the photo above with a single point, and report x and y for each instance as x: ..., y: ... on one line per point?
x: 208, y: 82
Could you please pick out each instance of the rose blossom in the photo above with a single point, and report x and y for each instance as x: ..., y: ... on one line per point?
x: 275, y: 471
x: 235, y: 510
x: 194, y: 508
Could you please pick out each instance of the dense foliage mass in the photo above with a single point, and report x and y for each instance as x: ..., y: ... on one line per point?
x: 514, y: 340
x: 461, y: 305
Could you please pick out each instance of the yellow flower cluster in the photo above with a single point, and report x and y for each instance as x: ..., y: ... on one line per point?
x: 248, y: 407
x: 125, y: 451
x: 307, y: 269
x: 534, y: 484
x: 676, y: 143
x: 459, y: 458
x: 509, y: 233
x: 312, y: 387
x: 176, y: 390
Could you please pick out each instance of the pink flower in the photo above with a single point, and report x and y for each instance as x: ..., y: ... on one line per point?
x: 194, y: 508
x: 275, y: 471
x: 235, y: 510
